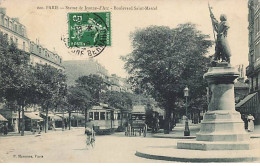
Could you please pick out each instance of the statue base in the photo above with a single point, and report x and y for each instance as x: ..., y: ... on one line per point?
x: 222, y: 127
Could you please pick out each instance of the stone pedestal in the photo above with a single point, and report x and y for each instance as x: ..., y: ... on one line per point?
x: 222, y: 127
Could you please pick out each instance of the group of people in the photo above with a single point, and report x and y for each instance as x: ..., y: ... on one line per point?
x: 4, y: 129
x: 249, y: 122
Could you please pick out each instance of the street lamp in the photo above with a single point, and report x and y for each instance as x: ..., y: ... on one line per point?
x: 187, y: 130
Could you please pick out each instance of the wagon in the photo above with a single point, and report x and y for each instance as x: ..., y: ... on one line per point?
x: 137, y: 122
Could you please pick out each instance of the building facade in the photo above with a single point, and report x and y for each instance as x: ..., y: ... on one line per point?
x: 17, y: 33
x: 250, y: 104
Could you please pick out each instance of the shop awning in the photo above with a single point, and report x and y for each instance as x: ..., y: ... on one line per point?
x: 2, y: 119
x: 49, y: 114
x: 66, y: 115
x: 32, y: 116
x: 56, y: 118
x: 245, y: 100
x: 78, y: 116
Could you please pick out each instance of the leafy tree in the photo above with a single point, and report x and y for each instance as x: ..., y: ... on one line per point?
x: 119, y: 100
x: 164, y: 61
x: 94, y: 84
x: 79, y: 98
x: 50, y: 87
x: 86, y: 93
x: 16, y: 78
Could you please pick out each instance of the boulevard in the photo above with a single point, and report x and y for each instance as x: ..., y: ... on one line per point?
x: 69, y: 146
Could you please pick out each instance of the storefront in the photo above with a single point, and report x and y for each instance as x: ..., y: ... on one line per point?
x: 33, y: 121
x: 250, y: 105
x: 77, y: 119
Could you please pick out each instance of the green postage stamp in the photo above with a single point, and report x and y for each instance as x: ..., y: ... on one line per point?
x: 89, y: 29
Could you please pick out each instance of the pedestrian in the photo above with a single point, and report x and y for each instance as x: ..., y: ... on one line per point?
x: 250, y: 119
x: 5, y: 129
x: 1, y: 128
x: 244, y: 118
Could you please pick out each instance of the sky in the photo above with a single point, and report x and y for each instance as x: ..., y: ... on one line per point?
x: 50, y: 25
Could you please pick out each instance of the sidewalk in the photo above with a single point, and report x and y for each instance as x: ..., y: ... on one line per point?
x: 178, y: 132
x: 29, y: 133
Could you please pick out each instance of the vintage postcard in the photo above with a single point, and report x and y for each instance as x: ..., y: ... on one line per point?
x: 120, y: 81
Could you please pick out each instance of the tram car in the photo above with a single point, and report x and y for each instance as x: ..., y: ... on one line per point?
x: 137, y: 123
x: 105, y: 119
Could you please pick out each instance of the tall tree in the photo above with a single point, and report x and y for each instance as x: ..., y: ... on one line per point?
x: 16, y: 78
x: 87, y: 92
x: 50, y: 88
x: 164, y: 61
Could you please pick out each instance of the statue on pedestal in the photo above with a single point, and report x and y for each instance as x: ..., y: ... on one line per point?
x: 222, y: 50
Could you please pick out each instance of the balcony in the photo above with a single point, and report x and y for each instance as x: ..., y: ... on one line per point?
x: 249, y: 70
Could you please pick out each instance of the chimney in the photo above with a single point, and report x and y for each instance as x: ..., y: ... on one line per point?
x: 3, y: 10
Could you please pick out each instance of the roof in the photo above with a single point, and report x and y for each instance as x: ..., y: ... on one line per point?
x: 138, y: 108
x: 32, y: 115
x: 2, y: 118
x: 247, y: 98
x: 97, y: 108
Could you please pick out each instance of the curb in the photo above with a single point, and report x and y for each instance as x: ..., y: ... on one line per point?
x: 196, y: 160
x: 175, y: 137
x: 191, y: 137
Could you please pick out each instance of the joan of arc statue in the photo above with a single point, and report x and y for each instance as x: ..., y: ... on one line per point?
x: 222, y: 50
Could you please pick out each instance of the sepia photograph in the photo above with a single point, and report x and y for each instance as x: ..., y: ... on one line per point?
x: 130, y: 81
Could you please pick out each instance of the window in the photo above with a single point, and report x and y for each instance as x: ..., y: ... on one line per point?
x: 91, y: 115
x: 16, y: 41
x: 2, y: 19
x: 24, y: 46
x: 252, y: 83
x: 119, y: 116
x: 256, y: 82
x: 10, y: 25
x: 96, y: 115
x: 252, y: 58
x: 108, y: 115
x: 6, y: 36
x: 102, y: 115
x: 6, y: 22
x: 257, y: 51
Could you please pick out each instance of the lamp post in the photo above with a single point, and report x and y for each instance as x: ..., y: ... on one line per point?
x: 187, y: 130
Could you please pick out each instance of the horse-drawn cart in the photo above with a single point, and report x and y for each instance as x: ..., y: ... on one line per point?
x: 137, y: 122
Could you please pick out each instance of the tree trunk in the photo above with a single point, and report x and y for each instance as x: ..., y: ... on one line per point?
x: 46, y: 121
x: 19, y: 120
x: 23, y: 122
x: 69, y: 120
x: 85, y: 118
x: 121, y: 118
x: 167, y: 121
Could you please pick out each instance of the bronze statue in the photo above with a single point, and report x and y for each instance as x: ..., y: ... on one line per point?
x: 222, y: 50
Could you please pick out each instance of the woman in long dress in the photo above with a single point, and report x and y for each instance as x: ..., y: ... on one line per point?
x: 250, y: 119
